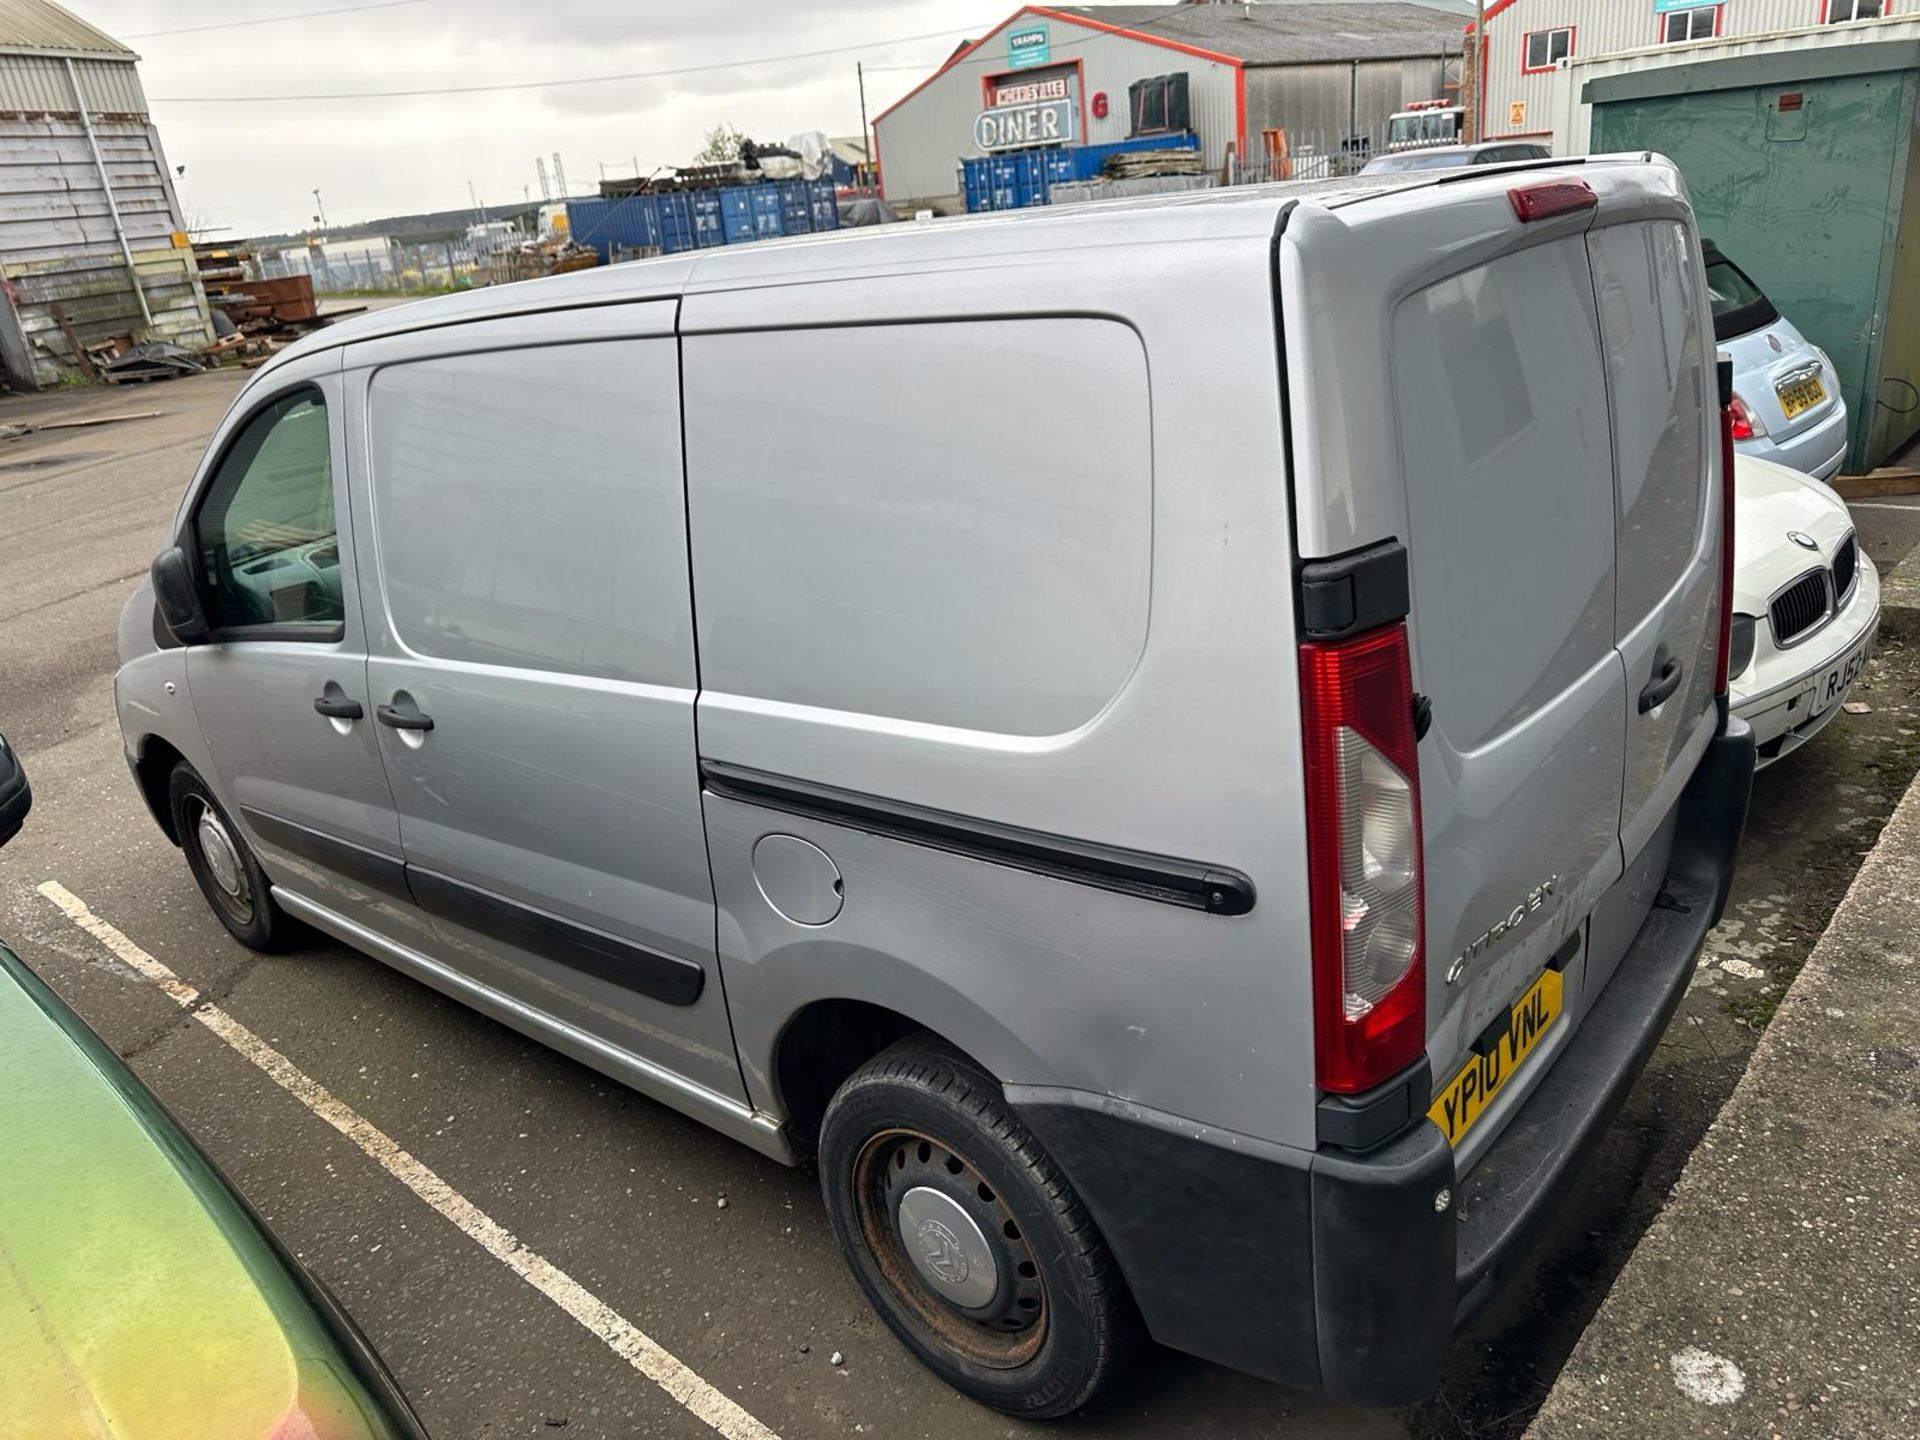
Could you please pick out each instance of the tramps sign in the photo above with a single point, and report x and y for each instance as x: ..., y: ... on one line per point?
x: 1029, y: 47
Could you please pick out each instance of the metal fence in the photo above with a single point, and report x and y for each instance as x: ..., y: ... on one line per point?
x: 1303, y: 155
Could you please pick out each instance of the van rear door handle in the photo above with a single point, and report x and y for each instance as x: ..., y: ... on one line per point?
x: 402, y: 719
x: 338, y: 707
x: 1666, y: 680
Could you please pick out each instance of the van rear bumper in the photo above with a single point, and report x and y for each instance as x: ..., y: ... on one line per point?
x: 1349, y: 1273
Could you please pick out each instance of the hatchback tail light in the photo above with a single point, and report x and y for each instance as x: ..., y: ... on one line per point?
x: 1747, y: 424
x: 1364, y: 865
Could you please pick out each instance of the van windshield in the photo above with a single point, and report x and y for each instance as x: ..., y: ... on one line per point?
x: 1739, y: 306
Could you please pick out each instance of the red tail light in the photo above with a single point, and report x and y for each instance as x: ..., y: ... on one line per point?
x: 1364, y: 867
x: 1730, y: 409
x: 1745, y: 425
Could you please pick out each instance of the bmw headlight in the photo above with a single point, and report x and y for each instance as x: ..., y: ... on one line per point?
x: 1740, y: 654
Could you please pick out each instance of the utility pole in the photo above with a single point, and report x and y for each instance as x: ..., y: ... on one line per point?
x: 866, y: 140
x: 1472, y: 123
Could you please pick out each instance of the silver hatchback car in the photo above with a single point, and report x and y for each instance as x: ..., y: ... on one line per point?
x: 1787, y: 405
x: 1202, y: 855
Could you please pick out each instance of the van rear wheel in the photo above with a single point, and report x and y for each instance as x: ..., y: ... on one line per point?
x: 224, y: 867
x: 967, y: 1239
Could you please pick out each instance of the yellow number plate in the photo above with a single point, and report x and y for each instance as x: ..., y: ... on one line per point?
x: 1485, y: 1076
x: 1801, y: 396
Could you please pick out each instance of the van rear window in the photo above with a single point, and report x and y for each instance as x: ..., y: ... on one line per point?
x: 948, y: 523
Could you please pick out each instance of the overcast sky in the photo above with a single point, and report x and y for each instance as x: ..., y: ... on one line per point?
x: 252, y: 167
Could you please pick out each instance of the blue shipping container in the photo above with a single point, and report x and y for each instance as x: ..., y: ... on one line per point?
x: 1015, y: 179
x: 676, y: 220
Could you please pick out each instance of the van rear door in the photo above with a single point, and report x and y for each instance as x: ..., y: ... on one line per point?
x: 1656, y: 326
x: 1542, y: 574
x: 1493, y: 465
x: 1501, y: 410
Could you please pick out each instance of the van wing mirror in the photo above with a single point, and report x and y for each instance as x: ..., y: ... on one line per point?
x: 178, y: 601
x: 16, y: 796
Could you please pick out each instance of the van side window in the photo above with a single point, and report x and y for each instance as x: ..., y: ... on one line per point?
x: 268, y: 550
x: 530, y: 510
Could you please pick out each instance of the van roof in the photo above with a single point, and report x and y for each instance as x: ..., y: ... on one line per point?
x: 1249, y: 210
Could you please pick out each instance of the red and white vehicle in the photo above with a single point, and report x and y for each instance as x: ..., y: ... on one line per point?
x: 1425, y: 123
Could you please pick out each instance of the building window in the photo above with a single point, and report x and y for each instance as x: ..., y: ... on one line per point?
x: 1839, y: 12
x: 1547, y: 48
x: 1160, y: 105
x: 1700, y: 23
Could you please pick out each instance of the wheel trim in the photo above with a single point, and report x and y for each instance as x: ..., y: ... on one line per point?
x: 220, y: 861
x: 957, y: 1225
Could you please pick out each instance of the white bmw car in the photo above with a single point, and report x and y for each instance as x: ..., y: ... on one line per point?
x: 1806, y: 601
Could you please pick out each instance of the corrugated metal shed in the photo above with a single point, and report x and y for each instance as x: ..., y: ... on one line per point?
x: 87, y: 207
x: 1290, y: 34
x: 1333, y: 70
x: 41, y: 25
x: 922, y: 139
x: 1517, y: 98
x: 37, y: 84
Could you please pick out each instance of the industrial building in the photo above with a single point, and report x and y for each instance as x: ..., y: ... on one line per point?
x: 92, y: 240
x: 1527, y: 40
x: 1329, y: 74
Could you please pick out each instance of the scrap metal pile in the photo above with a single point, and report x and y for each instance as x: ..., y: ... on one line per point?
x: 254, y: 316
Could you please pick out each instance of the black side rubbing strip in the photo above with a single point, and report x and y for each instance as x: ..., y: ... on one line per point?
x: 666, y: 978
x: 1353, y: 592
x: 370, y: 868
x: 1195, y: 886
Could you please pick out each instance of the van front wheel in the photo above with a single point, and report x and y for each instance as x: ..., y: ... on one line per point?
x: 224, y: 867
x: 967, y: 1239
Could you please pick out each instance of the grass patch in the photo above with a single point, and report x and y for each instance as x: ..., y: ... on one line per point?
x: 1756, y: 1008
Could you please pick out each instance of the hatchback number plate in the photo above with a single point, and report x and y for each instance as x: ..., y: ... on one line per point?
x: 1799, y: 396
x: 1468, y: 1094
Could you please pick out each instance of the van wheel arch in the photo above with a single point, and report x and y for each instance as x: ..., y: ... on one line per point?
x: 824, y: 1043
x: 154, y: 772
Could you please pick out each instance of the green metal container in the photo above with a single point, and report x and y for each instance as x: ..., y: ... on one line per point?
x: 1802, y: 167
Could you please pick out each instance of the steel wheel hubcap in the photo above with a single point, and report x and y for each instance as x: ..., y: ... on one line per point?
x: 945, y: 1245
x: 950, y: 1249
x: 221, y: 855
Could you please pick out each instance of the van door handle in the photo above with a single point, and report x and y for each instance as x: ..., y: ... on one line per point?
x: 1666, y: 680
x: 338, y: 708
x: 402, y: 719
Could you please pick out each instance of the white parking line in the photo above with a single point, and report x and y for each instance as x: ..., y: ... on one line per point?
x: 699, y: 1398
x: 1876, y: 505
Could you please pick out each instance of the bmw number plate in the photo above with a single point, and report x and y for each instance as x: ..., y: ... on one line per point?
x: 1836, y: 679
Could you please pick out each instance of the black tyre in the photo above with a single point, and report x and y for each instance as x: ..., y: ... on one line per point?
x: 224, y: 866
x: 967, y: 1239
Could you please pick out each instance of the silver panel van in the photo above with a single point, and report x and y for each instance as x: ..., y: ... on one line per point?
x: 1177, y: 750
